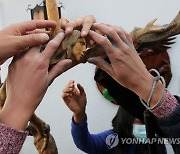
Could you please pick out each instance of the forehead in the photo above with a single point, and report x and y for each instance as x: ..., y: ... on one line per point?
x: 81, y: 39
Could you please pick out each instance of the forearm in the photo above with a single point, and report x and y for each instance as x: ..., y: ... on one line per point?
x: 167, y: 104
x: 81, y: 135
x: 89, y: 143
x: 15, y: 116
x: 154, y: 96
x: 144, y: 87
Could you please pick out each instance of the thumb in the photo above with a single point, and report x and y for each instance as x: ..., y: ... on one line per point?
x: 32, y: 40
x: 101, y: 63
x: 81, y: 89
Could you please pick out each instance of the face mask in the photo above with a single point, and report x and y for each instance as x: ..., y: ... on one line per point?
x: 139, y: 131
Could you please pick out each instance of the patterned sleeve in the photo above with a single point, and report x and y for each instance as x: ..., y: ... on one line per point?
x: 168, y: 104
x: 11, y: 140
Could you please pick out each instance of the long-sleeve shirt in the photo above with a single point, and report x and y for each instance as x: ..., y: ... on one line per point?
x: 90, y: 143
x: 11, y: 140
x: 168, y: 104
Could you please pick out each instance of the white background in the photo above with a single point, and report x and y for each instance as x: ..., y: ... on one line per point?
x: 126, y: 14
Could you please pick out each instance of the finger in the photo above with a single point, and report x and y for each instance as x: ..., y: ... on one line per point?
x: 64, y: 95
x: 67, y: 99
x: 124, y: 35
x: 31, y: 52
x: 30, y: 40
x: 75, y: 91
x: 103, y: 41
x: 35, y: 24
x: 81, y: 89
x: 101, y: 63
x: 70, y: 86
x: 67, y: 90
x: 64, y: 22
x: 87, y: 24
x: 52, y: 46
x: 72, y: 25
x: 71, y: 82
x: 120, y: 35
x: 38, y: 31
x: 129, y: 38
x: 58, y: 69
x: 111, y: 32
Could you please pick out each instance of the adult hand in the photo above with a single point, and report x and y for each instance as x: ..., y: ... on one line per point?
x: 126, y: 66
x: 27, y: 82
x: 16, y: 37
x: 83, y: 23
x: 75, y: 99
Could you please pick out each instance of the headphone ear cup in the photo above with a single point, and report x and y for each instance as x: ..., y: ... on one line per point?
x: 105, y: 93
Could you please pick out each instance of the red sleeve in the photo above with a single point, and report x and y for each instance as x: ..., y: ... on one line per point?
x: 168, y: 104
x: 11, y: 140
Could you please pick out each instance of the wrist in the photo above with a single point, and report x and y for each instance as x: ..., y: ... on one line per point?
x: 143, y: 88
x: 157, y: 93
x: 79, y: 117
x: 14, y: 117
x: 152, y: 92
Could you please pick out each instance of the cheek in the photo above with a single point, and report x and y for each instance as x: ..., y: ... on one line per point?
x: 79, y: 49
x: 82, y: 49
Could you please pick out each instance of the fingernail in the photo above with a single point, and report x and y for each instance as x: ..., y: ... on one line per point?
x: 61, y: 34
x: 69, y: 63
x: 83, y: 33
x: 44, y: 37
x: 68, y: 29
x: 94, y: 24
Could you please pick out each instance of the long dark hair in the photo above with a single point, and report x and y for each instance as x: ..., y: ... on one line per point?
x: 122, y: 124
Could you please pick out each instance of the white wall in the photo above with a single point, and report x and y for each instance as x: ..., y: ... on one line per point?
x: 127, y: 14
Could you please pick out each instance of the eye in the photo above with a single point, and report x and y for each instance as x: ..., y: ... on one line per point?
x: 82, y: 43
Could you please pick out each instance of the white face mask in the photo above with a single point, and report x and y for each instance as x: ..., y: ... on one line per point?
x: 139, y: 131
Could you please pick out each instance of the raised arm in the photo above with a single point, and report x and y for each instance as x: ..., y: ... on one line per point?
x: 128, y: 69
x: 75, y: 99
x: 27, y: 82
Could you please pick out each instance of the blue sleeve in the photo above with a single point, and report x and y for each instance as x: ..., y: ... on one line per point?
x: 89, y: 143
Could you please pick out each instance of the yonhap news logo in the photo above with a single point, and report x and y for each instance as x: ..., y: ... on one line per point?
x: 112, y: 140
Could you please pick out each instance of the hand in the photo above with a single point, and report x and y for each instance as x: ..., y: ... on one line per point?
x: 126, y: 66
x: 83, y: 23
x: 27, y: 82
x: 16, y: 37
x: 75, y: 99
